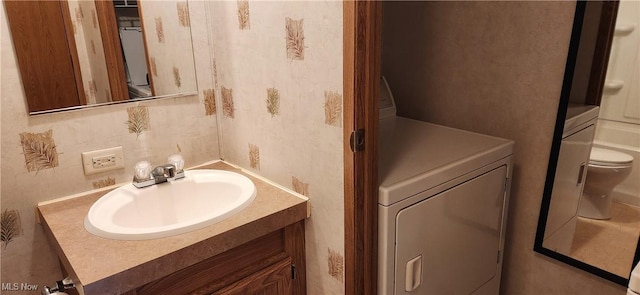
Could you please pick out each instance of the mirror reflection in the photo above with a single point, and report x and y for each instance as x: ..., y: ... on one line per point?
x: 101, y: 52
x: 594, y: 208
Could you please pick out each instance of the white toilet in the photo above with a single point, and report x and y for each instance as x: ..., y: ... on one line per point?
x: 606, y: 169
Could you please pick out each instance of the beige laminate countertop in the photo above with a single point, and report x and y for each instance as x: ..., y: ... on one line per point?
x: 104, y: 266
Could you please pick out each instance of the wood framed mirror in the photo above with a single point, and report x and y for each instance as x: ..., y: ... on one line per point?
x: 74, y: 54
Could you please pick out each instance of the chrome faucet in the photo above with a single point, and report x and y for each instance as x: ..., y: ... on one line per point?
x: 164, y: 172
x: 61, y: 286
x: 144, y: 176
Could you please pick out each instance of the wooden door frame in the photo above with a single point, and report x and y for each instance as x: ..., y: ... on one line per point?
x: 106, y: 16
x: 602, y: 52
x: 362, y: 30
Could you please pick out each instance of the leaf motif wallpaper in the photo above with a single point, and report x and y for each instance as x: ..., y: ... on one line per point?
x: 209, y: 101
x: 159, y: 29
x: 336, y: 265
x: 183, y: 14
x: 176, y: 77
x: 11, y: 227
x: 273, y: 101
x: 169, y: 29
x: 280, y: 133
x: 254, y: 157
x: 39, y: 150
x: 152, y: 66
x: 299, y: 187
x: 243, y: 15
x: 104, y: 182
x: 227, y: 102
x: 333, y: 108
x: 295, y: 39
x: 176, y: 122
x: 138, y: 119
x: 88, y: 39
x: 293, y: 50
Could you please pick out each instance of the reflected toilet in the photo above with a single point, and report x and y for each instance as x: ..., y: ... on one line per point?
x: 607, y: 168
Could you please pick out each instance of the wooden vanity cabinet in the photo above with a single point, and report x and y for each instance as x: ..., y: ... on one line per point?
x: 271, y: 264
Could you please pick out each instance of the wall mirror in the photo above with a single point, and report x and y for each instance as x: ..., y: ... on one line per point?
x: 77, y: 53
x: 590, y: 212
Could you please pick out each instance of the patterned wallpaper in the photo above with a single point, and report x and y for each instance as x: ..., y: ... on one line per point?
x: 278, y: 77
x: 167, y: 25
x: 88, y: 39
x: 272, y: 79
x: 41, y: 154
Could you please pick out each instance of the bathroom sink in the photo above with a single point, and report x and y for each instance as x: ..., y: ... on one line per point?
x: 201, y: 198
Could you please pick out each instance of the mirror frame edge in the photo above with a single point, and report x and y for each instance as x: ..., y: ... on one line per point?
x: 596, y: 81
x: 113, y: 103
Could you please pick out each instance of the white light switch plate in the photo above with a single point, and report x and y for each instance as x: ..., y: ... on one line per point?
x: 99, y: 161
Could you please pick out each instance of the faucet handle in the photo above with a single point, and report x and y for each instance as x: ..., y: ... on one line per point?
x: 60, y: 287
x: 142, y: 171
x: 177, y: 161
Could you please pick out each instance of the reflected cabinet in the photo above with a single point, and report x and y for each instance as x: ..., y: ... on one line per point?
x: 569, y: 181
x: 45, y: 53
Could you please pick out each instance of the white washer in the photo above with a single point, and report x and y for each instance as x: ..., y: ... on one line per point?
x: 442, y: 199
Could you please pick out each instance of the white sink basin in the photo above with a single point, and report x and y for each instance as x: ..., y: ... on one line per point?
x: 201, y: 198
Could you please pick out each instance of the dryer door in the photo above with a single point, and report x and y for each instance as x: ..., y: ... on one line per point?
x: 449, y: 243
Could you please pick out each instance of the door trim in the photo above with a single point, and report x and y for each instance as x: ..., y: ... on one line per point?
x: 362, y: 30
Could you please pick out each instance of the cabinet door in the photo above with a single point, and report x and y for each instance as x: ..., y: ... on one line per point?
x: 567, y: 189
x: 261, y: 266
x: 42, y: 43
x: 273, y: 280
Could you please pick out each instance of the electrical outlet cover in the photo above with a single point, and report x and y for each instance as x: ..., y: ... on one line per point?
x: 88, y: 159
